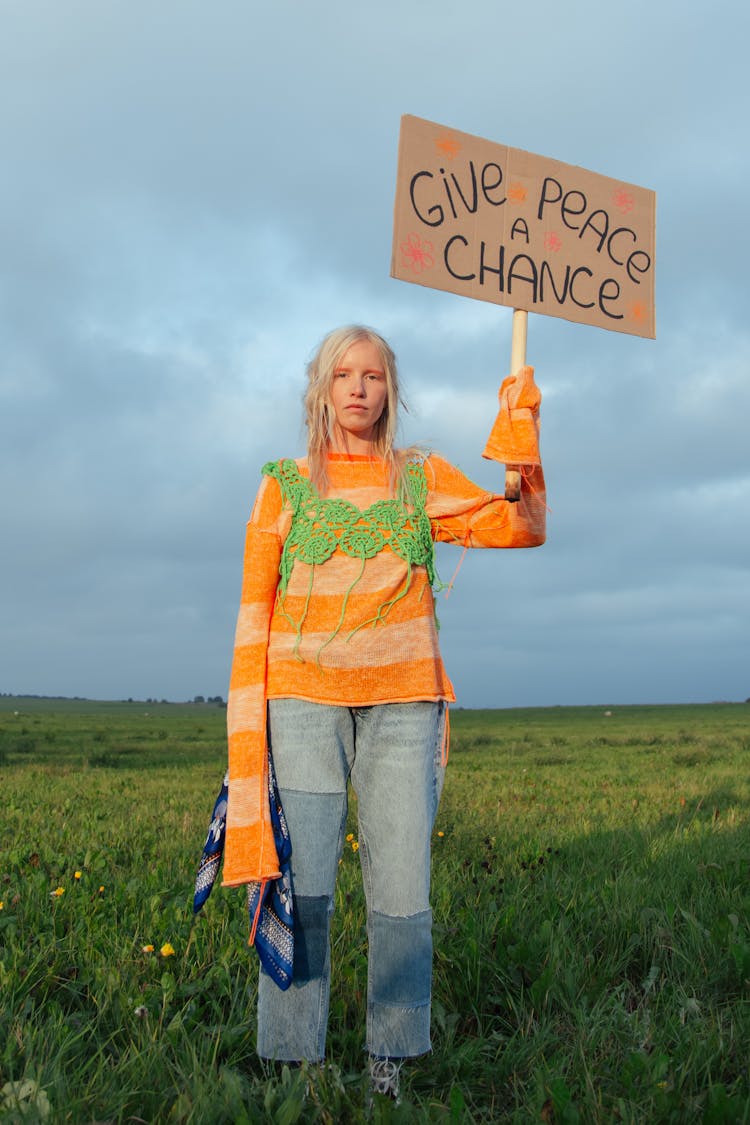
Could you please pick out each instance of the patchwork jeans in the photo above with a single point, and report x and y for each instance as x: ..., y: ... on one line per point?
x: 392, y: 753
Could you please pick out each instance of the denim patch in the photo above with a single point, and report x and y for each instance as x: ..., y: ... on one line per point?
x: 310, y: 936
x: 315, y: 828
x: 400, y: 959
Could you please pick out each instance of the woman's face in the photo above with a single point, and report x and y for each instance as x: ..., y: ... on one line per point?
x: 358, y: 394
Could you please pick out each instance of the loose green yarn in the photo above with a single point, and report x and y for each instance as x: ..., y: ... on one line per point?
x: 321, y: 526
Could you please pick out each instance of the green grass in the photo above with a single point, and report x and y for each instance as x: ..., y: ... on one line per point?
x: 591, y: 897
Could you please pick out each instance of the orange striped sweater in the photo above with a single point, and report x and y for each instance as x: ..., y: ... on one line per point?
x: 349, y: 630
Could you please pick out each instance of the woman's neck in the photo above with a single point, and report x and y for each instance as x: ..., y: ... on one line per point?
x: 352, y: 445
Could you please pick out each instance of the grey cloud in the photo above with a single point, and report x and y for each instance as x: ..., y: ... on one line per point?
x: 195, y: 196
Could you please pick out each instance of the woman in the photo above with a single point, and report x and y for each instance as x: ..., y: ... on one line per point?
x: 337, y: 672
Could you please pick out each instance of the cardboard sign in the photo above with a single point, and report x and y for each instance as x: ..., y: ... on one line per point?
x: 502, y: 225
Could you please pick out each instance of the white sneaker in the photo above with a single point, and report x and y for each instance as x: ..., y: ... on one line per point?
x: 384, y: 1076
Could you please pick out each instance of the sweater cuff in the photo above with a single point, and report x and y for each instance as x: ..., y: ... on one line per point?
x: 514, y: 438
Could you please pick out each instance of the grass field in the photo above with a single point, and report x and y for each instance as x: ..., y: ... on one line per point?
x: 592, y: 925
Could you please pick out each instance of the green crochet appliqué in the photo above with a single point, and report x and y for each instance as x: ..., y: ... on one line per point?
x: 320, y: 527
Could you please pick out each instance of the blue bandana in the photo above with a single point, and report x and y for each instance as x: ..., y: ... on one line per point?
x: 270, y: 901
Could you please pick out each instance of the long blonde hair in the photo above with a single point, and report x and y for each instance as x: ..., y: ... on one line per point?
x: 319, y: 415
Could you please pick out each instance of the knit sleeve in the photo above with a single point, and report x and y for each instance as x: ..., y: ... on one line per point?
x: 461, y: 512
x: 250, y: 853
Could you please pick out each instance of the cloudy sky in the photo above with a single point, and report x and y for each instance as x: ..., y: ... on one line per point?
x: 191, y: 194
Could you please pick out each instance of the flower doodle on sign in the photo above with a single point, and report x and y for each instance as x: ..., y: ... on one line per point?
x: 623, y: 200
x: 552, y: 241
x: 517, y: 193
x: 447, y: 146
x: 417, y: 254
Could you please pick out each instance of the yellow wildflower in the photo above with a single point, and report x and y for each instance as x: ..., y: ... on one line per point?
x: 2, y: 904
x: 101, y: 890
x: 441, y: 834
x: 147, y: 948
x: 57, y: 892
x: 167, y: 950
x: 349, y: 837
x: 355, y: 845
x: 77, y: 875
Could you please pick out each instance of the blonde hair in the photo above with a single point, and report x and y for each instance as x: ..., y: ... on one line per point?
x: 319, y: 414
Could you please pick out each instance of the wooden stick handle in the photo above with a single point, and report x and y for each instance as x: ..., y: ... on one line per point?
x: 518, y: 340
x: 517, y: 361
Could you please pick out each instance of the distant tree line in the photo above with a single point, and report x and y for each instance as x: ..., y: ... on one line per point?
x: 216, y: 700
